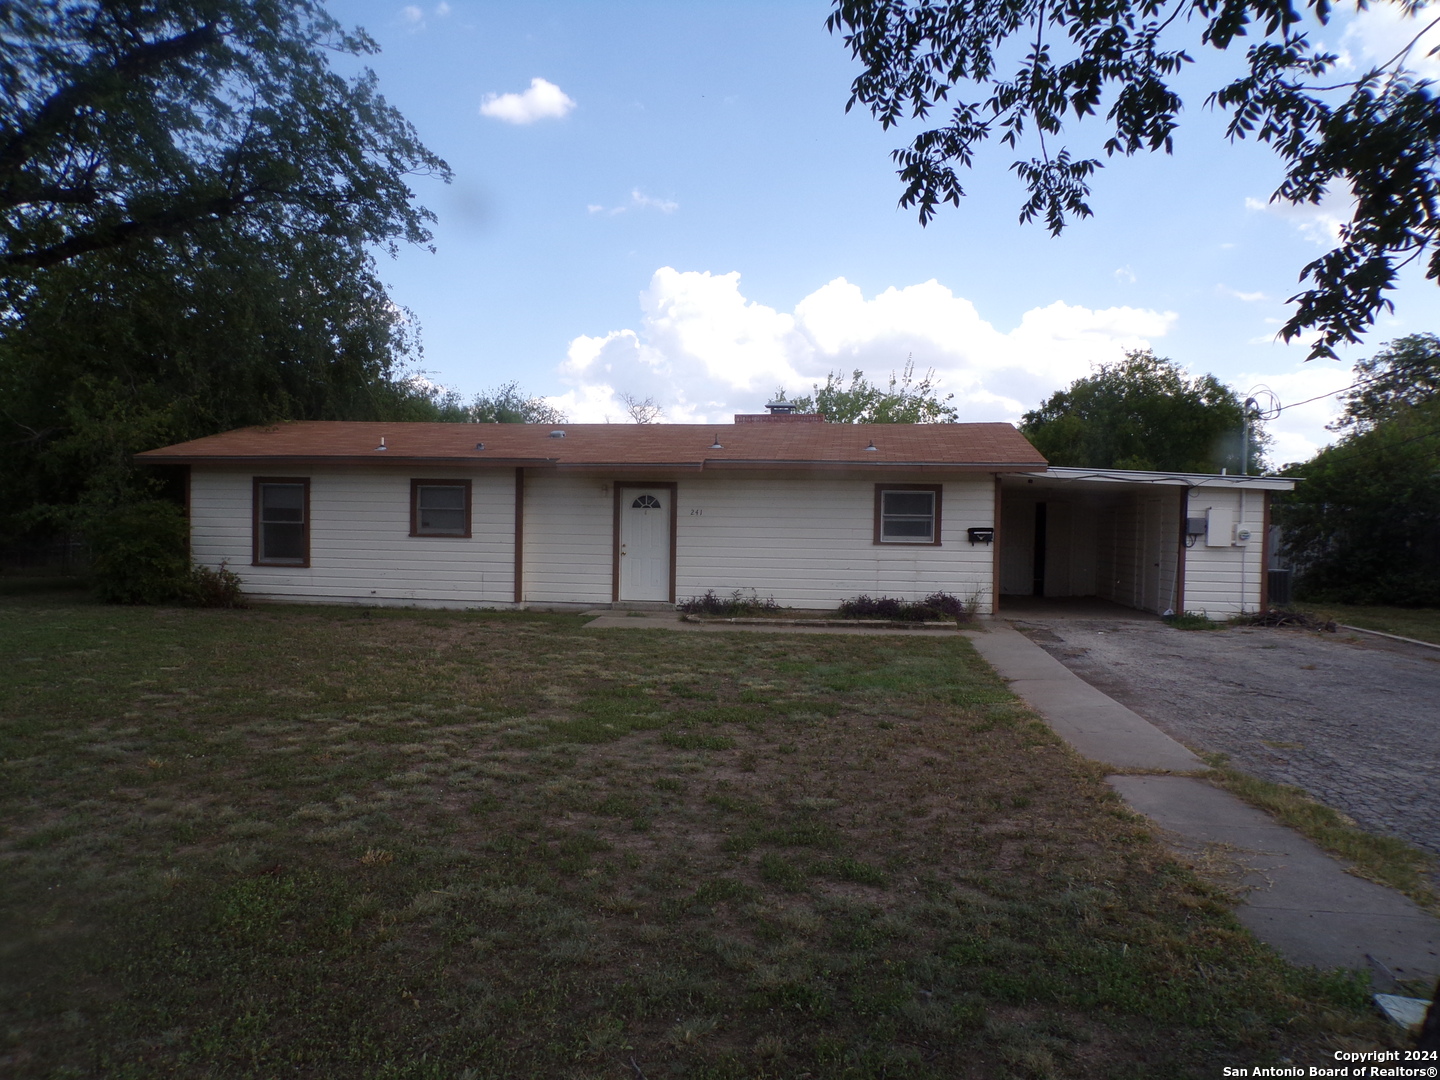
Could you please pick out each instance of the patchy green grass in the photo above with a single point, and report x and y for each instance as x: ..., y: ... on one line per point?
x: 1384, y: 859
x: 332, y: 842
x: 1423, y: 624
x: 1193, y: 620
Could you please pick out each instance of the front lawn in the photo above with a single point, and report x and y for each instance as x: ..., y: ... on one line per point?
x: 330, y: 842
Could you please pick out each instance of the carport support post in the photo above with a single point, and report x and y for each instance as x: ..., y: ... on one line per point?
x: 995, y: 555
x: 1180, y: 556
x: 1265, y: 551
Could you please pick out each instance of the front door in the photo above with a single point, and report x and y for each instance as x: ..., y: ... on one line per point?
x: 645, y: 543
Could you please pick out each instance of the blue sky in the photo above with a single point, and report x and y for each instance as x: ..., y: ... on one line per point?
x: 680, y: 208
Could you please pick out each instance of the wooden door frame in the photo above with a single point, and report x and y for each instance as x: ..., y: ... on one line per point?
x: 619, y: 487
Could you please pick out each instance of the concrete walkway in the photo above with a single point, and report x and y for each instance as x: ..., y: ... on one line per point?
x: 1297, y: 899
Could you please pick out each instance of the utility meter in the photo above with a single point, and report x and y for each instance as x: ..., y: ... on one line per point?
x: 1242, y: 535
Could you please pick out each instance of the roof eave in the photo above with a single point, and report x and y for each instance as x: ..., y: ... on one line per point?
x: 152, y: 457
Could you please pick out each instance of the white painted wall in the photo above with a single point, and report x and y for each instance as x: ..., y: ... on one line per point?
x: 808, y: 540
x: 569, y: 538
x: 1071, y: 525
x: 361, y: 550
x: 1137, y: 548
x: 1224, y: 581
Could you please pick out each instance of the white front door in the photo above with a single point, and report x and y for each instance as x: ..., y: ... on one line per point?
x: 645, y: 543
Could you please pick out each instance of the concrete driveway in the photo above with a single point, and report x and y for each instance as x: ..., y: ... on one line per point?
x: 1355, y: 722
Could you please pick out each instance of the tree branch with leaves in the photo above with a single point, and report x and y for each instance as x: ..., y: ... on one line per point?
x: 1375, y: 137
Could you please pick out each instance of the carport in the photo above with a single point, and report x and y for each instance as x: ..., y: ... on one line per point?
x: 1151, y: 541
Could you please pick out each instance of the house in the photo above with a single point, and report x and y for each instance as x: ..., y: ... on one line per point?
x: 587, y: 515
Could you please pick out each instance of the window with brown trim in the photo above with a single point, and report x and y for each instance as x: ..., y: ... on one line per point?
x: 907, y: 514
x: 440, y: 508
x: 281, y: 521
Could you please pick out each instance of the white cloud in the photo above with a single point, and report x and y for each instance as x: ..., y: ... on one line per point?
x: 1125, y: 275
x: 412, y: 14
x: 1318, y: 222
x: 1236, y: 294
x: 442, y: 9
x: 638, y: 201
x: 1299, y: 430
x: 1377, y: 33
x: 543, y: 101
x: 704, y: 351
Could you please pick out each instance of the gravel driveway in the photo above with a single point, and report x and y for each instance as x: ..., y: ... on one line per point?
x: 1354, y: 722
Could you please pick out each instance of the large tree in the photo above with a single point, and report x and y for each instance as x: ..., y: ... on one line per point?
x: 902, y: 401
x: 1024, y: 71
x: 127, y: 120
x: 1143, y: 412
x: 1364, y: 524
x: 190, y: 202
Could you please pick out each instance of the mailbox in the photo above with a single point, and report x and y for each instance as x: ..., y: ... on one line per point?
x: 981, y: 536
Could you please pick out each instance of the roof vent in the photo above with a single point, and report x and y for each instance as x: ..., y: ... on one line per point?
x: 479, y: 446
x: 781, y: 408
x: 872, y: 446
x: 716, y: 444
x: 557, y: 434
x: 382, y: 445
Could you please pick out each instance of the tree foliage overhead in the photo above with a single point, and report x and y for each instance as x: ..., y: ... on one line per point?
x: 1143, y: 413
x: 1363, y: 526
x: 190, y: 200
x: 1020, y: 70
x: 132, y: 120
x: 903, y: 401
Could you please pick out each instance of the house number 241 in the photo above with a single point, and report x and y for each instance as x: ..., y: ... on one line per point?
x: 695, y: 511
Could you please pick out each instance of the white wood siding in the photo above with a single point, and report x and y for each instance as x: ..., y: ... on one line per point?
x: 1119, y: 547
x: 569, y: 539
x: 1138, y: 551
x: 1071, y: 529
x: 1224, y: 581
x: 361, y: 550
x: 805, y: 540
x: 808, y: 541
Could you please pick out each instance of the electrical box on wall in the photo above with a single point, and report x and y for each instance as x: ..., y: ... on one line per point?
x: 1219, y: 527
x: 1195, y: 525
x: 1242, y: 536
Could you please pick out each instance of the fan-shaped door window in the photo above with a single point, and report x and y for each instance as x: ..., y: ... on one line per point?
x: 646, y: 502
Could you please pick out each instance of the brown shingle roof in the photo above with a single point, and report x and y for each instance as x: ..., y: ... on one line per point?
x: 976, y: 446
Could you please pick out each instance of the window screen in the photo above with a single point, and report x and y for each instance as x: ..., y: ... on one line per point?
x: 282, y: 525
x: 439, y: 508
x: 907, y: 517
x: 440, y: 511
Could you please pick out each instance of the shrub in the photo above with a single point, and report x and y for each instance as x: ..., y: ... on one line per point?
x: 737, y: 603
x: 214, y: 588
x: 139, y: 554
x: 1191, y: 620
x: 938, y: 605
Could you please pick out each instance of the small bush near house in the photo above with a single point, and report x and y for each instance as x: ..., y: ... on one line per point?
x: 1286, y: 617
x: 938, y: 605
x: 139, y: 554
x: 1192, y: 620
x: 737, y: 603
x: 215, y: 588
